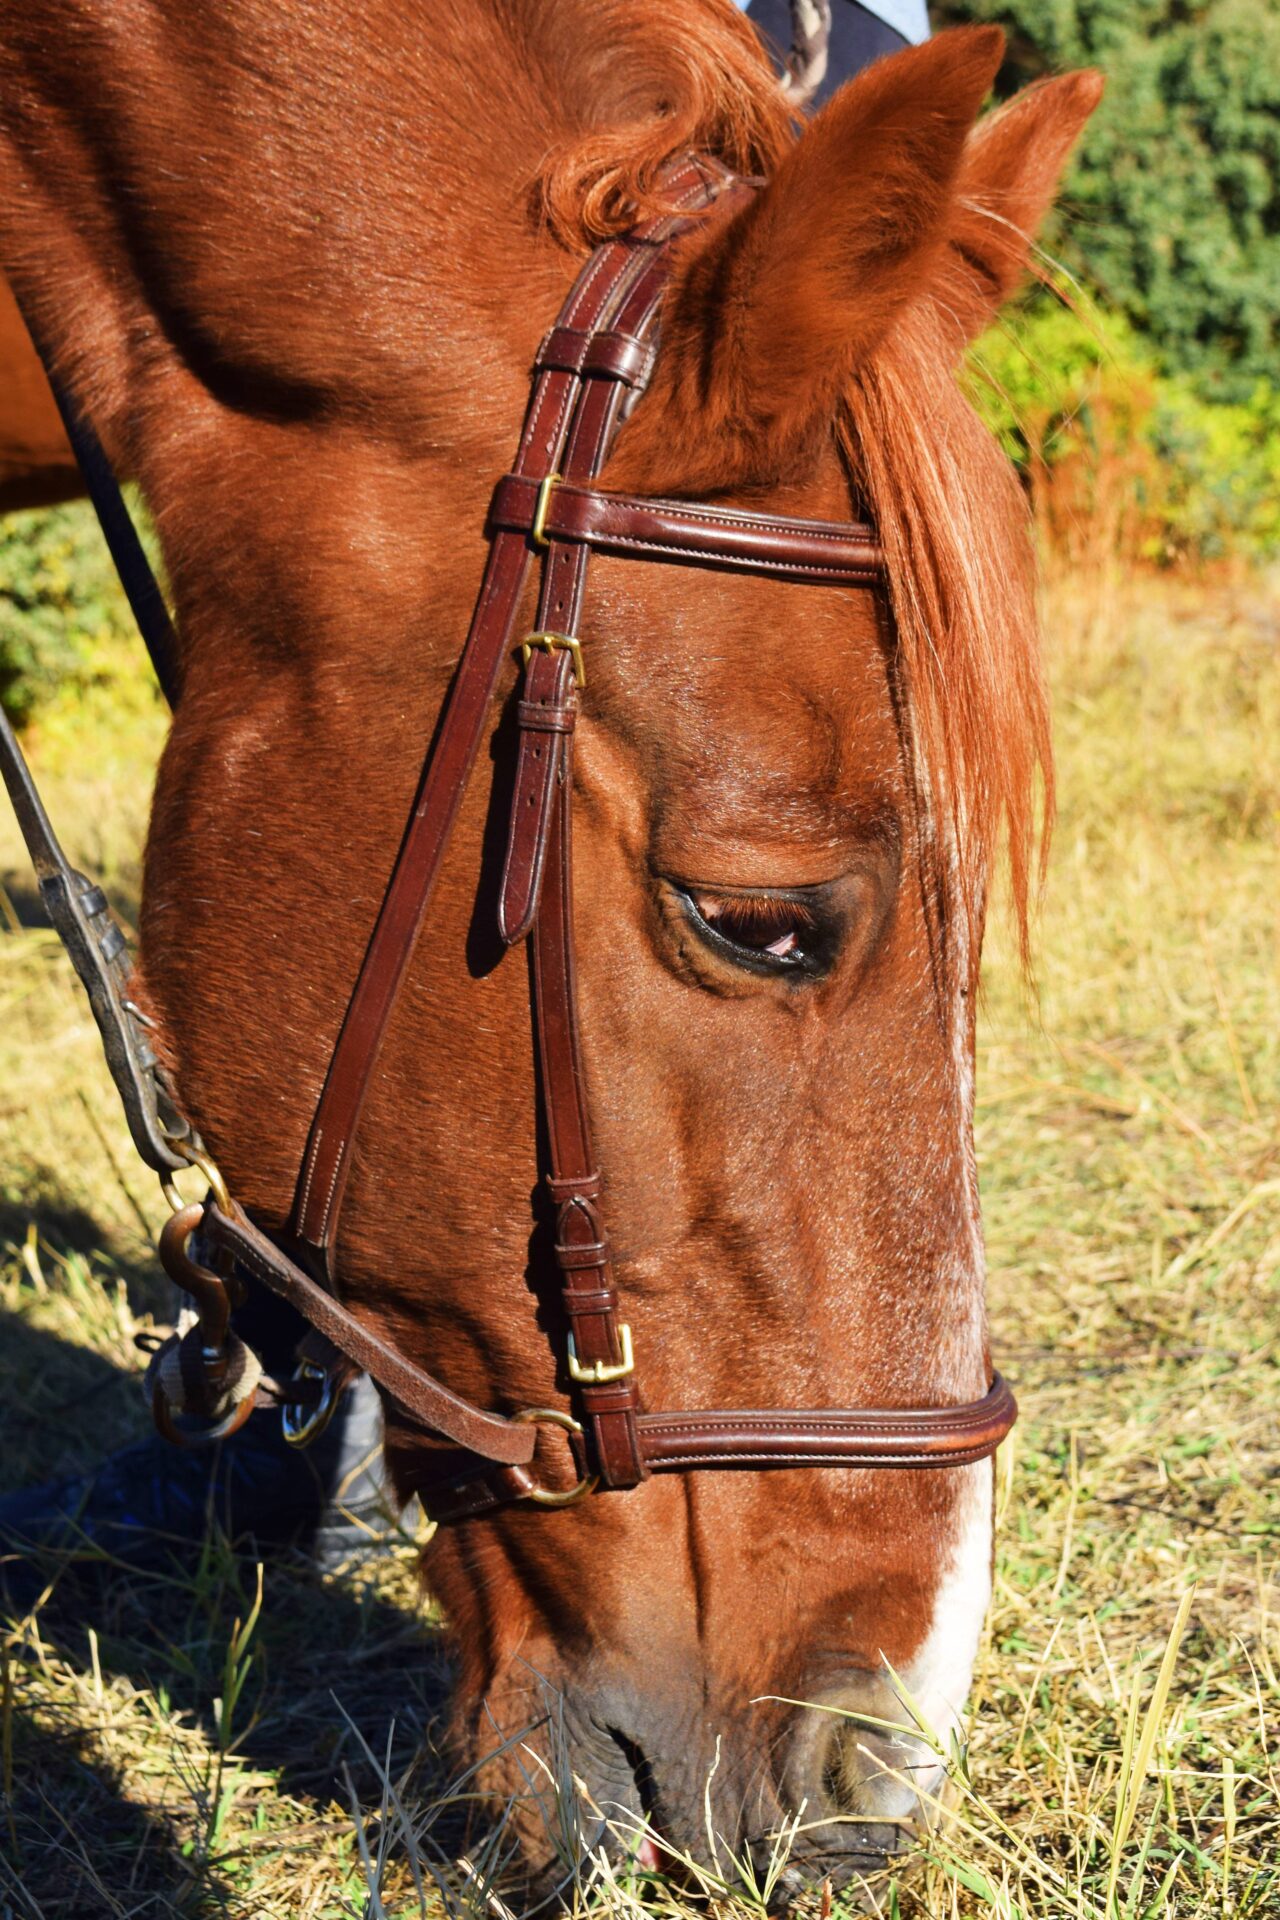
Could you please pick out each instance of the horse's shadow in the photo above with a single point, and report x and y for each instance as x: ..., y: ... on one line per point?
x: 326, y: 1714
x: 347, y: 1678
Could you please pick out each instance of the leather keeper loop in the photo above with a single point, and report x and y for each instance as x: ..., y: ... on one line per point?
x: 608, y: 1396
x: 535, y: 717
x: 562, y: 350
x: 588, y: 1302
x: 609, y: 356
x: 572, y: 1259
x: 626, y: 1468
x: 581, y: 1186
x: 620, y: 356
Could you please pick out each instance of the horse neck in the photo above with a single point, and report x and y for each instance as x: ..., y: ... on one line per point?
x: 281, y: 216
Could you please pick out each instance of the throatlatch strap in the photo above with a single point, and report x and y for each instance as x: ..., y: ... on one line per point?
x: 142, y: 589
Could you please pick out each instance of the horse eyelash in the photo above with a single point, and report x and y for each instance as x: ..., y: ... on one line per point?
x: 760, y: 909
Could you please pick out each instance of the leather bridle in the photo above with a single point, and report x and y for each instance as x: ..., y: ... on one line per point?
x: 590, y: 367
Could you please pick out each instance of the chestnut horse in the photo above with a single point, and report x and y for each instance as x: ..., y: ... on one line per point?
x: 295, y: 262
x: 37, y: 467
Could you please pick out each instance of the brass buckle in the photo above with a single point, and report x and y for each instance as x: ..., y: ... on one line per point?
x: 541, y: 508
x: 552, y: 1417
x: 602, y: 1371
x: 550, y: 643
x: 300, y: 1426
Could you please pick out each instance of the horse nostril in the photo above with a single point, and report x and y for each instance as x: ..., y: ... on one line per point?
x: 641, y: 1773
x: 877, y: 1772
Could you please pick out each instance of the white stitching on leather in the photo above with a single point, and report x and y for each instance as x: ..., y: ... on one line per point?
x: 758, y: 563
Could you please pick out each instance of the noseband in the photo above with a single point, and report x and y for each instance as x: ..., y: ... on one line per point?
x: 589, y: 370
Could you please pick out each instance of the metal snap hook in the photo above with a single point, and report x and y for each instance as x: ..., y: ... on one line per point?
x: 208, y: 1167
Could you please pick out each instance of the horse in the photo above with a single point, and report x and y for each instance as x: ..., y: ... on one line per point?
x: 37, y: 466
x: 295, y: 263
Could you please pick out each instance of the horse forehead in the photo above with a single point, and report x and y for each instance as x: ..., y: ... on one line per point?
x: 740, y: 690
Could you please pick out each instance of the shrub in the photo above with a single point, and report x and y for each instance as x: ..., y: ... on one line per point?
x: 59, y: 600
x: 1173, y: 202
x: 1120, y: 457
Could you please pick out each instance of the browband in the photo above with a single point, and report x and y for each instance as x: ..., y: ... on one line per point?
x: 809, y: 550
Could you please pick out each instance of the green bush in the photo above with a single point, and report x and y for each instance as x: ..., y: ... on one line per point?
x: 1172, y: 206
x: 1083, y: 407
x: 59, y: 601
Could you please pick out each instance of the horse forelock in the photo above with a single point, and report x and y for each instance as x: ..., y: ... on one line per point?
x: 637, y: 87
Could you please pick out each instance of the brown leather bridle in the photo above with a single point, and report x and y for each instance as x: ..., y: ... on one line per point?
x: 590, y: 367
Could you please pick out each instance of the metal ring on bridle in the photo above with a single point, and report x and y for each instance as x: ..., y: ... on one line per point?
x: 553, y: 1417
x: 169, y: 1430
x: 300, y: 1426
x: 208, y: 1167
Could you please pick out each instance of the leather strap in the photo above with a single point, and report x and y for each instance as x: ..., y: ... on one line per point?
x: 811, y: 550
x: 141, y: 588
x: 415, y: 1393
x: 546, y: 713
x: 99, y: 952
x: 327, y: 1160
x: 875, y: 1437
x: 763, y: 1439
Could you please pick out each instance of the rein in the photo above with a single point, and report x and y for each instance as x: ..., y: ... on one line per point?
x: 590, y: 367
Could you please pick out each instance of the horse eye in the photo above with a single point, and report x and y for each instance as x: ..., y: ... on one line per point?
x: 768, y: 928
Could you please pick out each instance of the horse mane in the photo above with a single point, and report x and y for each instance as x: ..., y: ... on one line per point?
x: 646, y: 85
x: 956, y: 531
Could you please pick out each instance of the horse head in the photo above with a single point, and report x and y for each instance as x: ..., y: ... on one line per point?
x: 300, y: 277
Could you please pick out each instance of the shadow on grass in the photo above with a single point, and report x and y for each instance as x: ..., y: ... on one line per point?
x: 63, y: 1403
x: 77, y: 1845
x: 63, y: 1226
x: 338, y: 1675
x: 340, y: 1668
x: 110, y: 1803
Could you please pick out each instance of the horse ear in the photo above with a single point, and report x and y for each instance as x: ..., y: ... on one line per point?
x: 770, y: 311
x: 1008, y: 177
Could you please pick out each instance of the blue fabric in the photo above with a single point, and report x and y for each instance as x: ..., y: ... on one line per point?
x: 910, y: 18
x: 858, y: 36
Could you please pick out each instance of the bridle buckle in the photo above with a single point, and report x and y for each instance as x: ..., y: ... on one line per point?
x: 600, y: 1372
x: 553, y: 643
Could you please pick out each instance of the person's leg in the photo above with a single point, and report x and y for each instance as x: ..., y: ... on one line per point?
x: 142, y: 1502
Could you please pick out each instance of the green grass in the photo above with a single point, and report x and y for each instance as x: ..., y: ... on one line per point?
x: 1124, y: 1753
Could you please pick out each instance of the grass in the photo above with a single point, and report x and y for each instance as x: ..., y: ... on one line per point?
x: 168, y: 1749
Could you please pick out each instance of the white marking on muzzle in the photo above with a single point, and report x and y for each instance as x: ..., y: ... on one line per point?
x: 939, y: 1677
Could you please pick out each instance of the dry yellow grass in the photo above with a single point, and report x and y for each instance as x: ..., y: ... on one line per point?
x: 1124, y: 1755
